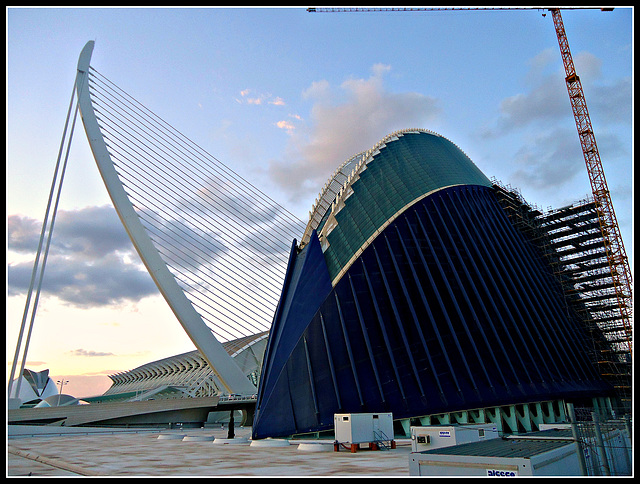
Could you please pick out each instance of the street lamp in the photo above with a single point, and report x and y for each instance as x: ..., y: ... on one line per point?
x: 62, y: 383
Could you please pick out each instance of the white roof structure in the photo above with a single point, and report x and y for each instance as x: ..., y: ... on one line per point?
x: 35, y: 387
x: 188, y: 374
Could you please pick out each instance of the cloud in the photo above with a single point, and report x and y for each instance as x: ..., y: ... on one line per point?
x: 91, y: 260
x: 23, y: 233
x: 345, y: 121
x: 546, y: 99
x: 31, y: 363
x: 89, y: 353
x: 245, y: 222
x: 612, y: 102
x: 548, y: 161
x: 89, y: 232
x: 288, y: 126
x: 247, y: 96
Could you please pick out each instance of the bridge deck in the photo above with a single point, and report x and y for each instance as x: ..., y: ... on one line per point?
x: 150, y: 412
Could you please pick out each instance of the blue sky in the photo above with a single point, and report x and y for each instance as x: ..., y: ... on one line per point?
x: 282, y: 97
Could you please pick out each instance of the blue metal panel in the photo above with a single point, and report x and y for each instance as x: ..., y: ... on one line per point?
x: 449, y: 277
x: 306, y: 285
x: 380, y: 320
x: 415, y: 319
x: 450, y: 308
x: 365, y: 335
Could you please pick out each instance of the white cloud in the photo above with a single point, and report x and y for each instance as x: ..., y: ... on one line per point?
x: 248, y: 96
x: 345, y: 121
x: 287, y: 126
x: 90, y: 353
x: 545, y: 99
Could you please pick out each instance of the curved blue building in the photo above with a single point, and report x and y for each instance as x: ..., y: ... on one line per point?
x: 412, y: 292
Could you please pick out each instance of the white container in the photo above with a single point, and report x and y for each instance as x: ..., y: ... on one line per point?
x: 499, y: 458
x: 357, y: 428
x: 617, y: 447
x: 438, y: 436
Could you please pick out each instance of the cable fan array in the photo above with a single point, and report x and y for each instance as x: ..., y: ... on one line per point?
x: 226, y: 243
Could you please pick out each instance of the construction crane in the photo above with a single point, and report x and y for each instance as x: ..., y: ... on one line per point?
x: 616, y: 255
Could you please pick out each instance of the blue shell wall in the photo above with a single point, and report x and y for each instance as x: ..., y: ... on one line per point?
x: 449, y: 308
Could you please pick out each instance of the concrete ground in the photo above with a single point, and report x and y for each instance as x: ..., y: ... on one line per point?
x: 75, y: 452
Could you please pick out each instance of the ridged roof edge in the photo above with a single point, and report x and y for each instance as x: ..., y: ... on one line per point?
x: 190, y: 359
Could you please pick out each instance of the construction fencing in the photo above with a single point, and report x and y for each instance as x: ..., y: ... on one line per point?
x: 605, y: 442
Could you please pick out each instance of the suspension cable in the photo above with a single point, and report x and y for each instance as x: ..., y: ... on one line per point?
x: 226, y: 243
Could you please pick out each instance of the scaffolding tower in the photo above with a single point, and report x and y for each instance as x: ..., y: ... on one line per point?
x: 571, y: 239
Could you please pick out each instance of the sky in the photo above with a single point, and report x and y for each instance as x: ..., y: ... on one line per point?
x: 282, y: 97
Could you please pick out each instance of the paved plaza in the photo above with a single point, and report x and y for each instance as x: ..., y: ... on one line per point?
x: 142, y: 453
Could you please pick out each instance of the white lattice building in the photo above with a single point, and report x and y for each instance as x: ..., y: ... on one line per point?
x: 188, y: 374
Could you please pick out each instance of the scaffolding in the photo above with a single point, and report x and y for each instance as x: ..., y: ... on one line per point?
x: 571, y: 239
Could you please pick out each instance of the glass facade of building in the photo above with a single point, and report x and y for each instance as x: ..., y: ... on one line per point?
x: 387, y: 180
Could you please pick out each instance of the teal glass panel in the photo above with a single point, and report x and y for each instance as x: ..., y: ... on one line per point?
x: 403, y: 171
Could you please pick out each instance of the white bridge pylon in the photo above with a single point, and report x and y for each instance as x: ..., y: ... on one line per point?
x: 226, y: 370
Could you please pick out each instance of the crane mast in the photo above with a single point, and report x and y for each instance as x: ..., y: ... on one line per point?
x: 616, y: 255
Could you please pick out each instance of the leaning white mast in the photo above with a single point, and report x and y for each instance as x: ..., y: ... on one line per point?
x: 227, y: 371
